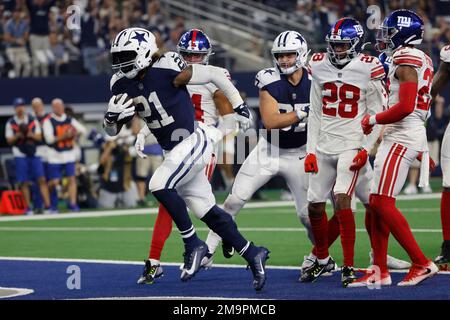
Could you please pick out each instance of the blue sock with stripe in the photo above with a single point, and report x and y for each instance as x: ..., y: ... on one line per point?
x: 221, y: 223
x: 176, y: 207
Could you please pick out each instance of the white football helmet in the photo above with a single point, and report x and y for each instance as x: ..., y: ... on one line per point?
x: 132, y: 51
x: 286, y: 42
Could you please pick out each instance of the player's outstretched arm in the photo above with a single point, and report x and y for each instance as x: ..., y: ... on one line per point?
x: 270, y: 114
x: 315, y: 116
x: 225, y: 109
x: 408, y: 79
x: 441, y: 79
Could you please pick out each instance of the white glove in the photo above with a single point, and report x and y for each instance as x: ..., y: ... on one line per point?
x: 302, y: 111
x: 119, y: 110
x: 139, y: 145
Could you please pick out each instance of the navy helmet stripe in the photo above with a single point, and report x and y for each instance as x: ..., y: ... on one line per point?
x: 285, y: 38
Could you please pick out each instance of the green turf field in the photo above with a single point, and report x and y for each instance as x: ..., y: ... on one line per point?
x: 128, y: 237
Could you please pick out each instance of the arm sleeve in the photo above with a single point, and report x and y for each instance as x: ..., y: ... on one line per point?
x: 48, y: 132
x: 80, y: 128
x: 202, y: 74
x: 405, y: 106
x: 376, y: 102
x: 314, y: 119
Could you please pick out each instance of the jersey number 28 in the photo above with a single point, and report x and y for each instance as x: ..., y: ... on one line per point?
x: 347, y: 95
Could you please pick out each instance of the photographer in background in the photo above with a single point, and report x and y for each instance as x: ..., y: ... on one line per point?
x: 22, y: 132
x: 117, y: 188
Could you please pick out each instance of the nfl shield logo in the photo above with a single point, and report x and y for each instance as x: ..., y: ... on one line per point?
x: 339, y: 74
x: 294, y: 96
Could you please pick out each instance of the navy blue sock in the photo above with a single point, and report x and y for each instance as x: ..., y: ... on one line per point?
x: 176, y: 207
x: 221, y: 223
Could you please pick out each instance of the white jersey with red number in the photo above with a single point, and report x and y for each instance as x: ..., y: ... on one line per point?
x: 410, y: 131
x: 339, y: 100
x: 202, y: 97
x: 445, y: 54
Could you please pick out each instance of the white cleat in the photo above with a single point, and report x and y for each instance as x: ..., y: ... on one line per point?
x: 206, y: 262
x: 371, y: 280
x: 308, y: 262
x: 418, y: 273
x: 393, y: 263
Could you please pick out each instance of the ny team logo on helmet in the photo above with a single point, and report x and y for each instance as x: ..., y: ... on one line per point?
x: 132, y: 51
x: 195, y: 41
x: 400, y: 28
x: 346, y: 31
x: 290, y: 42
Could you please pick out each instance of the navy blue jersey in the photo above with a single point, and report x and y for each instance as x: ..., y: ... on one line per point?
x: 59, y: 128
x: 166, y: 109
x: 26, y: 146
x: 287, y: 96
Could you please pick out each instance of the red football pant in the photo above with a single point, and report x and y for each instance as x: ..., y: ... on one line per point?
x: 163, y: 223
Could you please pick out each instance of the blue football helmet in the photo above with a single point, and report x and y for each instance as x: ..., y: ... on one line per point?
x: 195, y: 43
x: 345, y: 32
x: 400, y: 28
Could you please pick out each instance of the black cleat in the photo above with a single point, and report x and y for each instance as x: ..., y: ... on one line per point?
x: 347, y: 276
x: 311, y: 274
x: 227, y: 249
x: 192, y: 261
x: 150, y: 273
x: 443, y: 260
x: 258, y: 267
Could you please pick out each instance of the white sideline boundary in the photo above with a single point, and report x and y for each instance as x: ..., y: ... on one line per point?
x: 19, y: 292
x: 176, y: 264
x: 150, y: 211
x: 137, y: 229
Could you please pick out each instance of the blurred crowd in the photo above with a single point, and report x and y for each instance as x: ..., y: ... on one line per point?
x: 52, y: 37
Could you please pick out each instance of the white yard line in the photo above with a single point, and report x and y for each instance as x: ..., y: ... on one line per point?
x: 176, y: 264
x: 149, y: 211
x: 137, y: 229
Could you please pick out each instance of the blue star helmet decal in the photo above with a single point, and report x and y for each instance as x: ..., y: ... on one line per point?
x: 299, y: 37
x: 139, y: 37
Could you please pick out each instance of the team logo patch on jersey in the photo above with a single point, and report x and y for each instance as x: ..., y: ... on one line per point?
x: 404, y: 21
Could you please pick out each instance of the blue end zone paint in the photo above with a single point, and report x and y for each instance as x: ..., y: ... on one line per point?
x: 48, y: 280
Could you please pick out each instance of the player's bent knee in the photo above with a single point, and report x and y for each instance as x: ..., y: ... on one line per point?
x: 233, y: 204
x: 316, y: 209
x: 343, y: 201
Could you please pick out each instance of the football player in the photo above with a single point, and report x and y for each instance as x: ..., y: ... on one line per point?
x: 404, y: 138
x: 156, y: 84
x: 440, y: 81
x: 346, y: 85
x: 284, y: 105
x: 209, y: 103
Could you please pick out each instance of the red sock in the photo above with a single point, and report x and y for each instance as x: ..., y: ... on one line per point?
x: 319, y: 227
x: 368, y: 223
x: 379, y: 234
x: 161, y: 231
x: 333, y: 232
x: 347, y: 230
x: 445, y: 214
x: 400, y: 229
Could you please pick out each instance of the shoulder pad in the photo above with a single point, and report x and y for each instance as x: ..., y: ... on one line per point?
x: 170, y: 60
x: 445, y: 54
x: 266, y: 76
x: 408, y: 57
x: 376, y: 68
x: 113, y: 80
